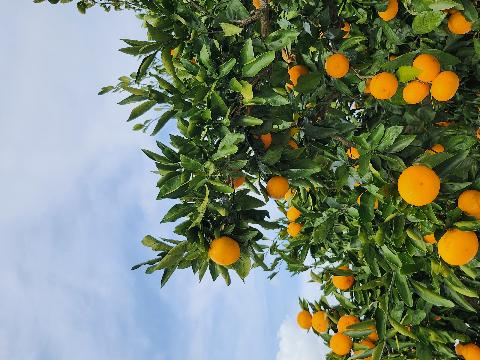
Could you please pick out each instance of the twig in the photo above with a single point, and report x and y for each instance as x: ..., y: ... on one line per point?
x: 343, y: 140
x: 248, y: 21
x: 264, y: 24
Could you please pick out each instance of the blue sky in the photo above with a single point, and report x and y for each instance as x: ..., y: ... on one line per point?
x: 77, y: 197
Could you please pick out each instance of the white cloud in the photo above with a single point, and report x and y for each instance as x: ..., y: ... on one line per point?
x: 297, y: 344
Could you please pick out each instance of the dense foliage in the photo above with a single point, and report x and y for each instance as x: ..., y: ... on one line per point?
x: 226, y: 71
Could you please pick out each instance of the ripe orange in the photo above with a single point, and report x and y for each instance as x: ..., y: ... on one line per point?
x: 468, y: 351
x: 415, y: 91
x: 257, y: 4
x: 266, y: 140
x: 367, y: 86
x: 293, y: 229
x: 239, y: 181
x: 368, y: 344
x: 438, y: 148
x: 343, y: 282
x: 224, y: 251
x: 346, y: 28
x: 304, y: 319
x: 390, y: 12
x: 418, y: 185
x: 375, y: 206
x: 277, y: 187
x: 469, y: 202
x: 477, y: 134
x: 445, y: 123
x: 457, y: 247
x: 293, y: 214
x: 292, y: 144
x: 445, y: 86
x: 341, y: 344
x: 383, y: 86
x: 337, y: 65
x: 428, y: 65
x: 430, y: 238
x: 374, y: 334
x: 295, y: 72
x: 353, y: 153
x: 457, y: 24
x: 320, y: 321
x: 345, y: 321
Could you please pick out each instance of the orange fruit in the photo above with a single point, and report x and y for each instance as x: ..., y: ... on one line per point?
x: 477, y: 134
x: 295, y: 72
x: 353, y: 153
x: 438, y: 148
x: 383, y: 86
x: 430, y: 238
x: 239, y: 181
x: 418, y: 185
x: 277, y: 187
x: 368, y: 344
x: 224, y: 251
x: 293, y: 214
x: 469, y: 202
x: 457, y: 247
x: 375, y: 206
x: 374, y: 334
x: 428, y: 65
x: 390, y: 12
x: 346, y: 28
x: 367, y: 86
x: 445, y: 123
x: 343, y: 282
x: 257, y: 4
x: 293, y: 229
x: 266, y: 140
x: 457, y: 24
x: 292, y: 144
x: 337, y: 65
x: 468, y: 351
x: 304, y: 319
x: 415, y: 91
x: 445, y: 86
x: 341, y: 344
x: 320, y: 321
x: 345, y: 321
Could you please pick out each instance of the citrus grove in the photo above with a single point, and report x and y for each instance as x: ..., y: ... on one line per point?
x: 359, y: 120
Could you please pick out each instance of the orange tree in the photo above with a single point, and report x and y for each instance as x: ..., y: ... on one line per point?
x: 359, y: 119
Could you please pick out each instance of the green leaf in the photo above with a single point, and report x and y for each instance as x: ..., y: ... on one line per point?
x: 309, y: 82
x: 256, y: 65
x: 226, y: 68
x: 143, y: 68
x: 444, y: 5
x: 190, y: 164
x: 166, y: 116
x: 173, y: 257
x: 170, y: 186
x: 154, y: 244
x: 378, y: 351
x: 230, y: 29
x: 401, y: 284
x: 250, y: 121
x: 407, y: 73
x: 177, y: 211
x: 281, y: 38
x: 427, y: 21
x: 391, y: 257
x: 201, y: 209
x: 105, y: 90
x: 401, y: 328
x: 468, y: 225
x: 430, y: 296
x: 390, y: 136
x: 243, y: 266
x: 141, y: 109
x: 227, y: 145
x: 247, y: 55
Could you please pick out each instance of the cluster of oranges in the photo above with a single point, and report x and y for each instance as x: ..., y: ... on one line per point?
x: 418, y: 185
x: 340, y: 343
x: 468, y: 351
